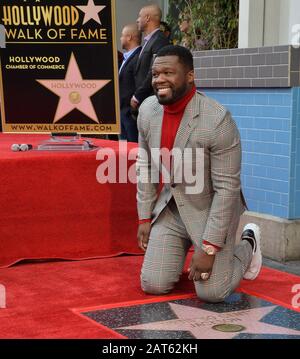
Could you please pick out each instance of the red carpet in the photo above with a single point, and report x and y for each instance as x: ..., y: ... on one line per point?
x: 273, y: 286
x: 42, y: 297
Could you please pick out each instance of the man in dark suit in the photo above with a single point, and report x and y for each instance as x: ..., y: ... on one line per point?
x: 149, y: 24
x: 130, y: 41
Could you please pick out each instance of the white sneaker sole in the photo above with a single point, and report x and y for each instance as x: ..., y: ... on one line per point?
x: 256, y: 262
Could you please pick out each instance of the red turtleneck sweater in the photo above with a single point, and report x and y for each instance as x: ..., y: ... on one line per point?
x: 172, y: 117
x: 171, y: 121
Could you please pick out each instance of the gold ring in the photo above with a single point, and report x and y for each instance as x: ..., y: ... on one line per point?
x: 204, y: 276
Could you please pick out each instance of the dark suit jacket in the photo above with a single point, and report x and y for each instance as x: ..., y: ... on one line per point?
x: 143, y: 73
x: 127, y: 81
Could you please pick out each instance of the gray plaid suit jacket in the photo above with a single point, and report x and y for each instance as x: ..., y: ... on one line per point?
x: 211, y: 214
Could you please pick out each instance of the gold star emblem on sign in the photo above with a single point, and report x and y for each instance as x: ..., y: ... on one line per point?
x: 74, y: 92
x: 91, y: 11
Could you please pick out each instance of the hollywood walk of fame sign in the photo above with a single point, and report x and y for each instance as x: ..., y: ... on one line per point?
x: 59, y: 68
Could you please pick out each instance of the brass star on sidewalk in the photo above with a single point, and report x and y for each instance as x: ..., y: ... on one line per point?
x: 91, y: 11
x: 203, y: 324
x: 74, y: 92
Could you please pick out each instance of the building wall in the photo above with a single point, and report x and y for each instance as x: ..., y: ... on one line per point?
x: 294, y: 19
x: 295, y: 156
x: 284, y: 22
x: 273, y: 22
x: 268, y: 22
x: 261, y: 88
x: 251, y: 12
x: 264, y: 119
x: 269, y: 124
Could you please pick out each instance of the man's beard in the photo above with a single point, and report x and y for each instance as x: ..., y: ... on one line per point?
x: 177, y: 95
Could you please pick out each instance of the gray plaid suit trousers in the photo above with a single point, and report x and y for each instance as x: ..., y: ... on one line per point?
x: 166, y: 253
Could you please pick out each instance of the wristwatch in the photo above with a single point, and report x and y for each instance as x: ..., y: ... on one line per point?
x: 209, y: 250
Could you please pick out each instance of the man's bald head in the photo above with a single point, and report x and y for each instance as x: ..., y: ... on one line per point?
x: 154, y: 12
x: 132, y: 29
x: 131, y: 37
x: 149, y: 18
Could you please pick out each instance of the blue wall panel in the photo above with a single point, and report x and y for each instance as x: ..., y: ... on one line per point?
x: 269, y: 124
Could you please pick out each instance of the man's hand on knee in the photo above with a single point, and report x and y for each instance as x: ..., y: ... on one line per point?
x: 201, y: 266
x: 143, y: 235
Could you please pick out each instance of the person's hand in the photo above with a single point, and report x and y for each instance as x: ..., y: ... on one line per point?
x: 201, y: 263
x: 143, y: 235
x: 134, y: 104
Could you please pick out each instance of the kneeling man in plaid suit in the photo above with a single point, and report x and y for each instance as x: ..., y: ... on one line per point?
x: 175, y: 214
